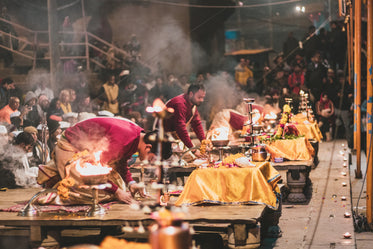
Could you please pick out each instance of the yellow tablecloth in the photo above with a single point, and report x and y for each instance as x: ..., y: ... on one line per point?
x: 291, y: 149
x: 309, y: 129
x: 251, y: 185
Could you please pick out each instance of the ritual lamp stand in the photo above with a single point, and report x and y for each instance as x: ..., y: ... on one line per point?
x: 250, y: 130
x: 95, y: 209
x: 160, y: 111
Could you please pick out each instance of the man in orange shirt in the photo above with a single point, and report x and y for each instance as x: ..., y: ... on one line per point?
x: 9, y: 109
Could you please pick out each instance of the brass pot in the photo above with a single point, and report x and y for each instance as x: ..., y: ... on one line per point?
x: 258, y: 128
x: 259, y: 153
x: 219, y: 143
x: 171, y: 237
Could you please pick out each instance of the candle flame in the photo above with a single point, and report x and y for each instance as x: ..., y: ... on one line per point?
x: 158, y: 106
x: 95, y: 168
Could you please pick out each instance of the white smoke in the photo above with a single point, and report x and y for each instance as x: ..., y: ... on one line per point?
x: 162, y: 32
x: 221, y: 93
x: 95, y: 140
x: 12, y: 159
x: 35, y: 77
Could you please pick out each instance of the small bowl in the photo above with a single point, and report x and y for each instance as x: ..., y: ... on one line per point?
x: 220, y: 143
x: 259, y: 154
x: 347, y: 215
x: 347, y: 235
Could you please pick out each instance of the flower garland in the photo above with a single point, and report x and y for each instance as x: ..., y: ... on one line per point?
x: 284, y: 129
x: 63, y: 188
x: 205, y: 145
x: 286, y: 113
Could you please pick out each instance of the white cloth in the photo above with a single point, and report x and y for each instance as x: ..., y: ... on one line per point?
x: 29, y: 171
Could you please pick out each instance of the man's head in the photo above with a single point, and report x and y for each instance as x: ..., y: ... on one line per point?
x: 243, y: 62
x: 316, y: 58
x: 150, y: 145
x: 279, y: 59
x: 32, y: 131
x: 30, y: 98
x: 8, y: 84
x: 54, y: 128
x: 14, y: 103
x: 159, y: 80
x: 144, y: 147
x: 196, y: 94
x: 25, y: 141
x: 64, y: 96
x: 297, y: 69
x: 112, y: 79
x: 171, y: 77
x: 43, y: 101
x: 331, y: 73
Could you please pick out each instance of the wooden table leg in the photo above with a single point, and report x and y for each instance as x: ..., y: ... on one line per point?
x: 46, y: 237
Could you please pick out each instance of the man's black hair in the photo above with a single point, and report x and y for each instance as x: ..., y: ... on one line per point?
x: 24, y: 138
x: 6, y: 81
x: 152, y: 138
x: 196, y: 87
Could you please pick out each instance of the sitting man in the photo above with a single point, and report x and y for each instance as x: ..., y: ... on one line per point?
x: 15, y: 170
x: 234, y: 120
x: 117, y: 138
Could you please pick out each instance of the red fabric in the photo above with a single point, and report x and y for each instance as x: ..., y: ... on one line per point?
x: 257, y: 107
x: 113, y: 188
x: 295, y: 81
x: 183, y: 113
x: 237, y: 120
x: 122, y: 140
x: 325, y: 104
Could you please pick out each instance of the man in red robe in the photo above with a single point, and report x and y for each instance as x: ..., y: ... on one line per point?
x: 118, y: 139
x: 185, y: 113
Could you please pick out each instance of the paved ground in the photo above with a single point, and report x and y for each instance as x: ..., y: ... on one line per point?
x: 364, y: 240
x: 321, y: 222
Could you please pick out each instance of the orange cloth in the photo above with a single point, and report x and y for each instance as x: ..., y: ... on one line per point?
x: 291, y: 149
x: 299, y: 118
x: 5, y: 114
x: 251, y: 185
x: 309, y: 129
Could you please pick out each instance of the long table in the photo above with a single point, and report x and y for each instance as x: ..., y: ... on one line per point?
x: 254, y: 184
x: 40, y: 227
